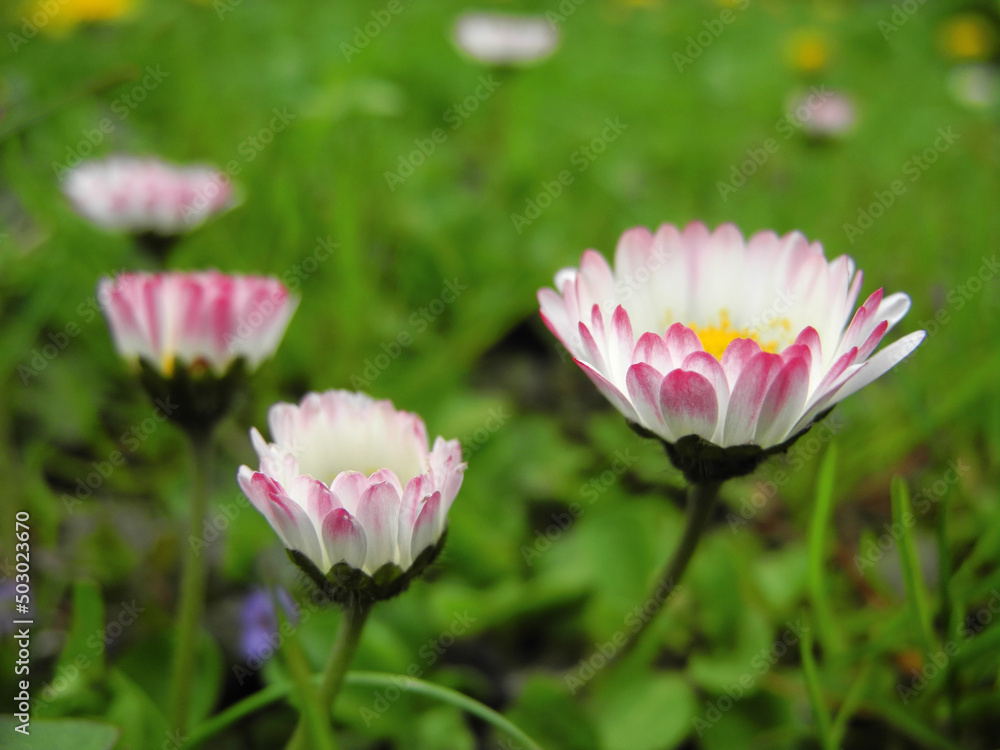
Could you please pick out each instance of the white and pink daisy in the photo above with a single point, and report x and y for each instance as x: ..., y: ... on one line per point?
x: 204, y: 320
x: 147, y: 196
x: 351, y: 480
x: 501, y: 39
x: 698, y: 336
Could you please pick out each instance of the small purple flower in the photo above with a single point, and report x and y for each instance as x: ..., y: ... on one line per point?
x: 259, y: 636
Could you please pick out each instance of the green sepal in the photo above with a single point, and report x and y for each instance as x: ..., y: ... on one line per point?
x: 701, y: 461
x: 194, y: 397
x: 157, y: 245
x: 346, y: 585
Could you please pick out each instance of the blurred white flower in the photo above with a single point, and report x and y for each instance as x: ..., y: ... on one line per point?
x: 143, y: 195
x: 975, y: 85
x: 499, y: 39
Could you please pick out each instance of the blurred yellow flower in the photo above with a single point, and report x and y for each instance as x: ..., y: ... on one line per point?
x: 968, y: 37
x: 59, y: 16
x: 807, y: 51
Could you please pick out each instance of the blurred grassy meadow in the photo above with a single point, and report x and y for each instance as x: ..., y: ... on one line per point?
x: 416, y: 200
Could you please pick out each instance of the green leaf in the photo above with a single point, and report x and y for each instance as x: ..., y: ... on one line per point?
x: 83, y: 655
x: 440, y: 728
x: 78, y: 734
x: 654, y: 713
x: 141, y: 718
x: 547, y: 712
x: 147, y: 663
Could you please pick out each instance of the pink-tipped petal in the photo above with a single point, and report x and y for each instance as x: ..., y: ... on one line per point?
x: 620, y: 343
x: 429, y: 525
x: 386, y: 475
x: 592, y: 350
x: 735, y: 358
x: 681, y: 341
x: 652, y: 349
x: 378, y: 513
x: 873, y: 340
x: 783, y: 403
x: 610, y: 391
x: 344, y: 539
x: 689, y: 404
x: 881, y: 363
x: 314, y: 496
x: 349, y: 486
x: 747, y: 398
x: 643, y: 382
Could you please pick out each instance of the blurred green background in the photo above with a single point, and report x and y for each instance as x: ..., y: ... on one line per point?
x: 198, y: 82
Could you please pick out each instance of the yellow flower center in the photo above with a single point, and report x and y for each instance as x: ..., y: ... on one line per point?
x: 715, y: 338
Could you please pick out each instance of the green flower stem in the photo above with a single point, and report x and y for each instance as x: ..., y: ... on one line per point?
x: 273, y: 693
x: 355, y: 615
x: 700, y: 502
x: 313, y: 715
x: 192, y: 584
x: 445, y: 695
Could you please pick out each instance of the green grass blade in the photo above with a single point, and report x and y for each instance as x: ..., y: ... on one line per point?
x: 446, y: 695
x: 852, y: 701
x: 811, y: 674
x: 273, y: 693
x: 826, y: 633
x: 916, y: 596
